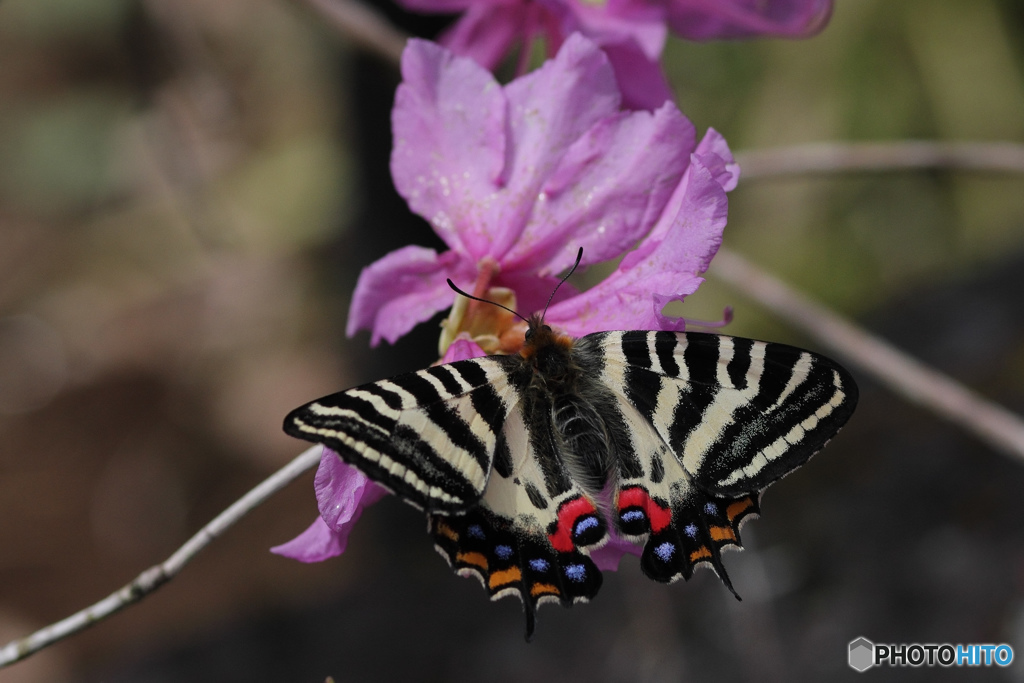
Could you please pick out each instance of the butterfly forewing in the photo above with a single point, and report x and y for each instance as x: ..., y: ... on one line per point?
x: 739, y: 413
x: 428, y: 436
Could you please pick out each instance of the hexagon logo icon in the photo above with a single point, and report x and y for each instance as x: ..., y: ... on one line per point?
x: 862, y: 654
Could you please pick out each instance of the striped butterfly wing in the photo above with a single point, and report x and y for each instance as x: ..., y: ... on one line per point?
x: 468, y: 444
x: 532, y: 532
x: 714, y: 420
x: 427, y: 436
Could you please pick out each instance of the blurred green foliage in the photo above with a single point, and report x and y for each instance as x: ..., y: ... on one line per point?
x: 951, y: 70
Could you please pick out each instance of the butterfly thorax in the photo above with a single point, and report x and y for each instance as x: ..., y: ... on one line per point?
x: 562, y: 386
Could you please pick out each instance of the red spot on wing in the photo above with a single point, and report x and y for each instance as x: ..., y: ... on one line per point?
x: 635, y: 496
x: 568, y: 513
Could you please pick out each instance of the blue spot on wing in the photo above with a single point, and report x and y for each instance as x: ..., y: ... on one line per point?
x: 632, y: 516
x: 503, y: 551
x: 475, y: 531
x: 576, y: 572
x: 665, y: 551
x: 711, y: 508
x: 691, y: 530
x: 586, y: 523
x: 539, y: 565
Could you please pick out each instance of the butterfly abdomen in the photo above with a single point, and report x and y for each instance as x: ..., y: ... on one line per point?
x: 584, y: 441
x: 563, y: 383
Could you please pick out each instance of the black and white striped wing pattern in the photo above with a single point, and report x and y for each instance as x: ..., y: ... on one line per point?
x: 427, y: 436
x: 740, y: 414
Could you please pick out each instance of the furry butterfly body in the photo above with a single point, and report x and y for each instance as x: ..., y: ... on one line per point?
x: 526, y: 464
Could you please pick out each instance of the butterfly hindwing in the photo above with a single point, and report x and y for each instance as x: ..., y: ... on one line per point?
x: 658, y: 504
x: 510, y: 560
x: 428, y: 436
x: 534, y: 526
x: 713, y: 420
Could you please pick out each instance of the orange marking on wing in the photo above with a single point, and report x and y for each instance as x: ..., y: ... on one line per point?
x: 722, y: 533
x: 740, y: 506
x: 700, y: 554
x: 446, y: 531
x: 474, y: 559
x: 504, y: 577
x: 544, y: 589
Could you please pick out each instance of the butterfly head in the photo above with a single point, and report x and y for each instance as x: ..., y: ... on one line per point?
x: 547, y: 350
x: 540, y: 336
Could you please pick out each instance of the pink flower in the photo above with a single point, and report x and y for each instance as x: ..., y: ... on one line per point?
x: 516, y: 179
x: 631, y: 32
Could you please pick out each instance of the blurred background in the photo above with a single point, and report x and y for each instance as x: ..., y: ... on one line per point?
x: 188, y: 191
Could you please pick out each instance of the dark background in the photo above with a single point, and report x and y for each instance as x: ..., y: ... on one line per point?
x: 187, y: 193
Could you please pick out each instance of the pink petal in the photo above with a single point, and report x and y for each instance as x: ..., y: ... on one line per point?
x: 724, y: 168
x: 705, y: 19
x: 549, y: 109
x: 607, y: 557
x: 486, y: 32
x: 316, y: 544
x: 608, y: 189
x: 403, y: 289
x: 714, y: 154
x: 342, y: 492
x: 640, y: 76
x: 615, y: 21
x: 449, y: 142
x: 462, y: 349
x: 659, y: 270
x: 533, y: 291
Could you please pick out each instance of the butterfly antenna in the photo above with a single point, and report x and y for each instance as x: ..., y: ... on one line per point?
x: 579, y: 257
x: 485, y: 301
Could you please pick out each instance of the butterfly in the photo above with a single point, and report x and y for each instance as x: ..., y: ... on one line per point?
x: 525, y: 464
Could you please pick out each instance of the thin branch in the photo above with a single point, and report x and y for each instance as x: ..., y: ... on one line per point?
x: 156, y: 576
x: 893, y: 368
x: 362, y: 25
x: 837, y: 157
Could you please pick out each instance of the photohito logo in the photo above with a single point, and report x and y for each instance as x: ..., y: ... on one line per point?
x: 863, y: 654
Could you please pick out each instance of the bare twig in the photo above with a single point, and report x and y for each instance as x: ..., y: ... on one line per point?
x: 893, y: 368
x: 838, y: 157
x: 362, y: 25
x: 156, y: 576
